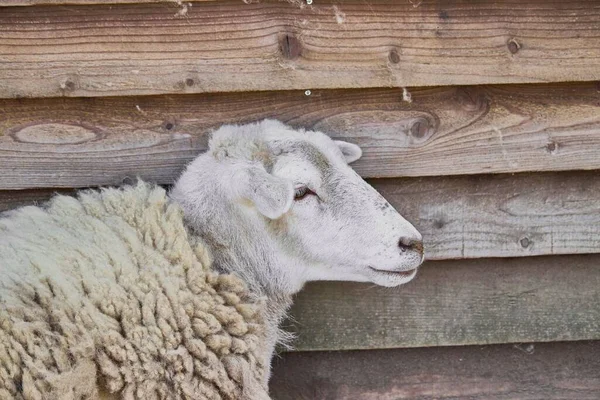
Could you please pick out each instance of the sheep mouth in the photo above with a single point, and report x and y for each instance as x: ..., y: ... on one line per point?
x: 407, y: 273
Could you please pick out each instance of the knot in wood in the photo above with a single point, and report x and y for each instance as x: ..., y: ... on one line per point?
x: 419, y: 128
x: 189, y: 82
x: 394, y: 57
x: 513, y: 46
x: 552, y: 147
x: 290, y: 46
x: 68, y: 85
x: 472, y: 99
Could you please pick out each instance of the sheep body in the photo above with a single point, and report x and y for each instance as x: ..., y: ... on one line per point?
x: 111, y: 288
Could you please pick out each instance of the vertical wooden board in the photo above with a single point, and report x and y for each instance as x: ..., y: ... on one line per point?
x: 540, y: 371
x: 462, y: 302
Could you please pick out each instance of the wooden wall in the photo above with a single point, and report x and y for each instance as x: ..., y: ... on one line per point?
x: 479, y: 121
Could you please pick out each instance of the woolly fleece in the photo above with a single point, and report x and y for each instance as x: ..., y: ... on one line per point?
x: 110, y: 288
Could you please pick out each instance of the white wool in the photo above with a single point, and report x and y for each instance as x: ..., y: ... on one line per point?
x: 110, y: 288
x: 113, y: 290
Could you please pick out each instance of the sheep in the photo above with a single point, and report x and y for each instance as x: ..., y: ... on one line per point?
x: 136, y: 293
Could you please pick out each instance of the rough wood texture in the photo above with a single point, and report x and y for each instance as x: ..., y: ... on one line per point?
x: 444, y: 131
x: 486, y: 301
x: 544, y: 371
x: 101, y: 50
x: 480, y: 216
x: 501, y: 215
x: 10, y: 199
x: 8, y: 3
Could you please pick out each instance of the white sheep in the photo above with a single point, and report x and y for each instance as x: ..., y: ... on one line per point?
x: 135, y: 294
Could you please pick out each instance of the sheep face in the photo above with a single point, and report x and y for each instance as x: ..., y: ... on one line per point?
x: 294, y: 197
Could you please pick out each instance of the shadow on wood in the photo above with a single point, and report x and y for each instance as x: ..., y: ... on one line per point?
x: 549, y: 371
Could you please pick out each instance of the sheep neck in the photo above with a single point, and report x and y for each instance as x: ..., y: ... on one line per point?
x: 263, y: 275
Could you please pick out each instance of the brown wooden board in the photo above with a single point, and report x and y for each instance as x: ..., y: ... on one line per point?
x: 501, y: 215
x: 127, y: 49
x: 538, y: 371
x: 456, y: 303
x: 480, y: 216
x: 11, y: 199
x: 9, y: 3
x: 485, y: 301
x: 444, y: 131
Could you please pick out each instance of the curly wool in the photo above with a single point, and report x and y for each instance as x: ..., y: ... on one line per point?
x: 109, y: 289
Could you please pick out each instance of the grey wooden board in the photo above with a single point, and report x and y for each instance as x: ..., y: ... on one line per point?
x: 529, y: 371
x: 501, y: 215
x: 485, y: 301
x: 132, y: 49
x: 444, y: 131
x: 480, y: 216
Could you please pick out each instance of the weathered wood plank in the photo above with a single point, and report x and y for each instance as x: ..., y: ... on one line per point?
x: 480, y: 216
x: 486, y: 301
x: 444, y: 131
x: 10, y: 199
x: 102, y: 50
x: 9, y: 3
x: 548, y: 371
x: 501, y: 215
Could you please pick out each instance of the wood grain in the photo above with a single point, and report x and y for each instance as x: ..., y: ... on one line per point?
x: 486, y: 301
x: 444, y: 131
x: 479, y: 216
x: 11, y: 199
x: 501, y: 215
x: 9, y: 3
x: 531, y: 371
x: 449, y: 303
x: 127, y: 49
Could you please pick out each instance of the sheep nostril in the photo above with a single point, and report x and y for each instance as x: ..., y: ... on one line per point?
x: 407, y: 244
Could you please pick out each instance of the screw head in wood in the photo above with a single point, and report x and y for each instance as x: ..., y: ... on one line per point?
x: 309, y: 2
x: 307, y: 92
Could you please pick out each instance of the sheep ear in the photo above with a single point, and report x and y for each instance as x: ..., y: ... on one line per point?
x: 350, y: 151
x: 272, y: 196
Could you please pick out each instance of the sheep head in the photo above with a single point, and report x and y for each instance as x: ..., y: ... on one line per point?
x: 282, y: 206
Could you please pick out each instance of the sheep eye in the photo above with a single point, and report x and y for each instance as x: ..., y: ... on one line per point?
x: 302, y: 192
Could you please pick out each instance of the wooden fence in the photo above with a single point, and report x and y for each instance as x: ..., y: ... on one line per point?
x: 479, y: 121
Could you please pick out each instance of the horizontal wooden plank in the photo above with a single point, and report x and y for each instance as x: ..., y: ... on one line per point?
x: 486, y: 301
x: 480, y: 216
x: 548, y: 371
x: 102, y: 50
x: 10, y: 199
x: 9, y: 3
x: 501, y: 215
x: 443, y: 131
